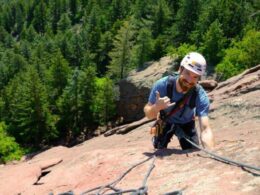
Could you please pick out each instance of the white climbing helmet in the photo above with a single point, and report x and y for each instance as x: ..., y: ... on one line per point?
x: 194, y: 62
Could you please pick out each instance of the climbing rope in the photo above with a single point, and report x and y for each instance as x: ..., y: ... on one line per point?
x: 142, y: 190
x: 223, y: 159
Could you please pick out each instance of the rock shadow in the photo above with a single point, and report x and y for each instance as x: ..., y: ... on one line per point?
x: 169, y: 151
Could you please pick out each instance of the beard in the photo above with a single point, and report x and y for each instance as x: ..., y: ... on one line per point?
x: 185, y: 85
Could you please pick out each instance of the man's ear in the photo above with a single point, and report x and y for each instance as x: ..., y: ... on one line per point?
x: 180, y: 69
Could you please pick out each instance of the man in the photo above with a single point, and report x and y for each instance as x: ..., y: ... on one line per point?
x: 182, y: 122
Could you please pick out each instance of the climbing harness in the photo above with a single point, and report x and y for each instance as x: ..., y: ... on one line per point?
x: 188, y: 99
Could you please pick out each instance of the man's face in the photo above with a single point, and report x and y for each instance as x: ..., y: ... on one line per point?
x: 187, y: 79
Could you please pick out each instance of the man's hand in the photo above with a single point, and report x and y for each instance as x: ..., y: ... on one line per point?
x: 151, y: 110
x: 207, y: 139
x: 162, y: 102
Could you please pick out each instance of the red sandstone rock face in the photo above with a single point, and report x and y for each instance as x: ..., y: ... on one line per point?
x: 234, y: 118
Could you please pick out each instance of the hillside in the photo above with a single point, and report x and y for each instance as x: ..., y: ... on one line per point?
x: 235, y: 120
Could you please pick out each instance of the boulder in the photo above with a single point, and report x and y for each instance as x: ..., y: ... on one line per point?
x: 135, y: 89
x: 208, y: 85
x: 243, y: 83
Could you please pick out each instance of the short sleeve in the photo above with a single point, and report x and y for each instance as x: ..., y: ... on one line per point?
x: 202, y: 103
x: 161, y: 86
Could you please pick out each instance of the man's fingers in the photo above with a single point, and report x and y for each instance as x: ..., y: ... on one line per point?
x: 157, y: 95
x: 172, y: 104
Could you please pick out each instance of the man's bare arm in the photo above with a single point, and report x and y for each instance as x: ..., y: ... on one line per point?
x: 206, y: 136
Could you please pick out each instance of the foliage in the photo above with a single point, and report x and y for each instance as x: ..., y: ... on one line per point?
x: 9, y: 149
x: 186, y: 19
x: 181, y: 51
x: 242, y: 55
x: 120, y: 54
x: 104, y: 102
x: 142, y: 51
x: 28, y: 110
x: 214, y: 42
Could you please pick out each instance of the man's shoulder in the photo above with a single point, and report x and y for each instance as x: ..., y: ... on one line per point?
x: 200, y: 89
x: 202, y: 94
x: 162, y: 81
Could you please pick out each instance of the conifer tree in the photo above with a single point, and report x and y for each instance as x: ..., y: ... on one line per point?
x: 68, y: 105
x: 29, y: 34
x: 40, y: 17
x: 26, y: 50
x: 10, y: 64
x: 19, y: 19
x: 74, y: 7
x: 186, y: 18
x: 29, y: 116
x: 8, y: 19
x: 120, y: 54
x: 76, y: 43
x: 214, y: 42
x: 161, y: 17
x: 104, y: 101
x: 59, y: 72
x: 105, y: 45
x: 92, y: 31
x: 87, y: 94
x: 64, y: 23
x: 118, y: 10
x: 55, y: 14
x: 143, y: 48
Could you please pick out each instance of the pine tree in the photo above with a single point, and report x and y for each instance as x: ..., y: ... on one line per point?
x: 161, y: 17
x: 63, y: 41
x: 232, y: 21
x: 118, y: 10
x: 186, y: 18
x: 59, y: 72
x: 29, y: 34
x: 76, y: 44
x: 10, y: 65
x: 214, y: 42
x: 19, y: 19
x: 105, y: 45
x: 92, y: 31
x: 55, y: 14
x: 87, y: 95
x: 143, y: 48
x: 68, y: 105
x: 6, y: 39
x: 40, y: 17
x: 64, y: 23
x: 26, y: 50
x: 8, y: 18
x: 74, y: 7
x: 29, y: 117
x: 104, y: 101
x: 120, y: 54
x: 141, y: 9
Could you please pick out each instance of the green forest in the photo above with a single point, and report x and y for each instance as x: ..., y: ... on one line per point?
x: 60, y: 60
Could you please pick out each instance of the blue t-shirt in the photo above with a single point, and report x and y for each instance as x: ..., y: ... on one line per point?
x: 185, y: 114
